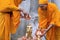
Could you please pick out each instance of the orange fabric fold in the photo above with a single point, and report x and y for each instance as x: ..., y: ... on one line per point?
x: 47, y: 18
x: 8, y: 21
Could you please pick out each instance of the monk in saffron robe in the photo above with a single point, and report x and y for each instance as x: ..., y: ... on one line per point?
x: 9, y: 18
x: 49, y: 17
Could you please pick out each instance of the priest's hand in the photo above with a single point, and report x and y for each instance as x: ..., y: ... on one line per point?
x: 24, y: 14
x: 27, y: 16
x: 41, y: 32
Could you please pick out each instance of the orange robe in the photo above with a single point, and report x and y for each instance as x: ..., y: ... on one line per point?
x: 8, y: 21
x: 57, y: 29
x: 15, y: 18
x: 49, y: 17
x: 17, y: 2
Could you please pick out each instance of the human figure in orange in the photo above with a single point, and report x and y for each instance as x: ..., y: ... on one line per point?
x: 9, y: 17
x: 48, y: 17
